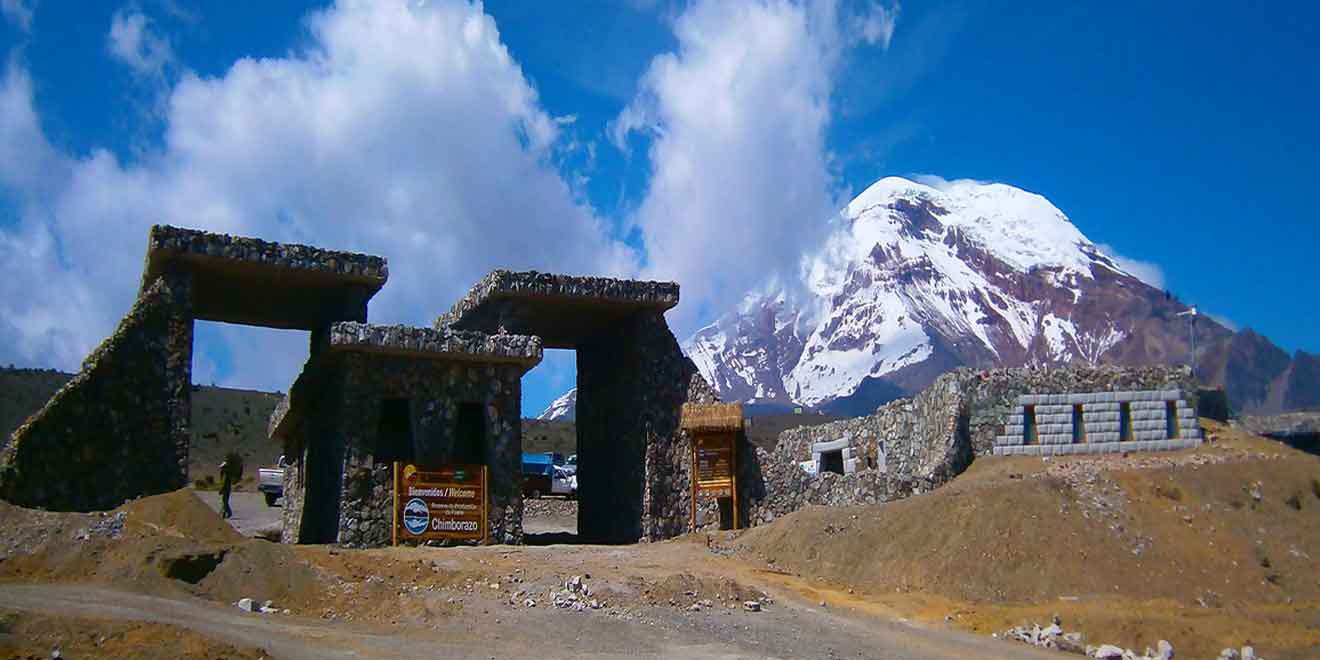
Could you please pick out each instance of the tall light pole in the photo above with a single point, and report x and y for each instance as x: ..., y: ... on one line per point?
x: 1191, y: 333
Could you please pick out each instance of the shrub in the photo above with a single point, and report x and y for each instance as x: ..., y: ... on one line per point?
x: 1295, y: 501
x: 1169, y: 492
x: 1315, y: 487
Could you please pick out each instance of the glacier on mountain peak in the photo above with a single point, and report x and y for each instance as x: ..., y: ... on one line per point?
x: 920, y: 276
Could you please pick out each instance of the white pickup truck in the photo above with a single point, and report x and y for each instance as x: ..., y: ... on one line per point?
x: 270, y: 481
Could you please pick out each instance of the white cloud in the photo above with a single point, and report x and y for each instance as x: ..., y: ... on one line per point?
x: 132, y: 41
x: 1146, y: 271
x: 876, y: 26
x: 19, y: 12
x: 401, y: 130
x: 736, y: 117
x: 942, y: 184
x: 27, y: 162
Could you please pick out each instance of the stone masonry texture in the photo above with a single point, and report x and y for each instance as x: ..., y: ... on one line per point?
x: 914, y: 445
x: 337, y: 489
x: 1099, y: 428
x: 634, y: 462
x: 120, y: 428
x: 263, y: 283
x: 529, y: 285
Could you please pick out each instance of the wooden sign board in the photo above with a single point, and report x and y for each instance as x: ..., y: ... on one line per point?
x: 446, y: 502
x: 714, y: 470
x: 714, y: 461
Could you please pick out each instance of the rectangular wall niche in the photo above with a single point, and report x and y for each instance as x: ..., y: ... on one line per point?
x: 1029, y: 431
x: 470, y: 435
x: 838, y: 456
x: 1125, y: 422
x: 394, y: 437
x: 1098, y: 422
x: 832, y: 461
x: 1078, y: 424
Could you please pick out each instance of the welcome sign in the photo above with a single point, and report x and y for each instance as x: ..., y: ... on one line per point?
x: 442, y: 503
x: 714, y: 465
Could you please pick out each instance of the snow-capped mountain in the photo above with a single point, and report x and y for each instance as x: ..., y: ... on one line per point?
x: 917, y: 279
x: 565, y: 407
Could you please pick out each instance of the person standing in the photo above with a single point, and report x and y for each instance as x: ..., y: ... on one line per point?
x: 226, y: 485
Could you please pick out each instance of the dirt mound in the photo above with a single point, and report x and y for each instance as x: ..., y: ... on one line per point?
x: 29, y: 635
x: 181, y: 514
x: 170, y: 544
x: 1207, y: 548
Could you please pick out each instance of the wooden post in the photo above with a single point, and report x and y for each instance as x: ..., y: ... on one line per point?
x: 733, y: 474
x: 693, y: 481
x: 485, y: 506
x: 394, y: 513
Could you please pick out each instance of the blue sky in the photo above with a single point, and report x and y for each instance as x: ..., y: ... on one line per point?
x: 1183, y: 137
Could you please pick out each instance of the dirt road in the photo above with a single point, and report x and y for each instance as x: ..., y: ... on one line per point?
x: 163, y: 572
x: 251, y: 515
x: 786, y: 631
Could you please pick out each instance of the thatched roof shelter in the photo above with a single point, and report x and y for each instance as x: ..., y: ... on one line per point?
x: 708, y: 417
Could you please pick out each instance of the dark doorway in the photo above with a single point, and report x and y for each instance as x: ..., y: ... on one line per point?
x: 831, y: 461
x: 470, y: 435
x: 321, y: 472
x: 1029, y: 425
x: 1124, y: 421
x: 394, y: 437
x: 1078, y: 425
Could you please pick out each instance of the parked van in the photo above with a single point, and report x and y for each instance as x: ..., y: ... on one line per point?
x: 543, y: 475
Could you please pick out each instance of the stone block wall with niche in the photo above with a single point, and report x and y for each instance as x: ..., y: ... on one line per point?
x: 911, y: 446
x: 1046, y: 424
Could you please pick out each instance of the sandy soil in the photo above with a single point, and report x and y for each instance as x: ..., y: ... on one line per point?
x: 170, y: 571
x: 1207, y: 548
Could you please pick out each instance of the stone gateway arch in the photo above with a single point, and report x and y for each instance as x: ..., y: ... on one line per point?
x: 373, y: 394
x: 120, y: 428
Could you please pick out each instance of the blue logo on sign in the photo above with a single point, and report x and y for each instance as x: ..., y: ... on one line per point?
x: 416, y: 516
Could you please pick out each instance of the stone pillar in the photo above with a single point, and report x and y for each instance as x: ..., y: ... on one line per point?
x: 632, y: 477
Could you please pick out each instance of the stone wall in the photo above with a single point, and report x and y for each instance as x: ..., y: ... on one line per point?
x: 993, y: 394
x: 532, y: 285
x: 908, y: 446
x: 118, y: 429
x: 633, y: 480
x: 337, y: 490
x: 633, y: 460
x: 911, y: 446
x: 436, y: 388
x: 1049, y: 424
x: 166, y: 245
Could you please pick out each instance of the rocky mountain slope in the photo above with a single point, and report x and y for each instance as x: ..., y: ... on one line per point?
x: 918, y: 279
x: 564, y: 408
